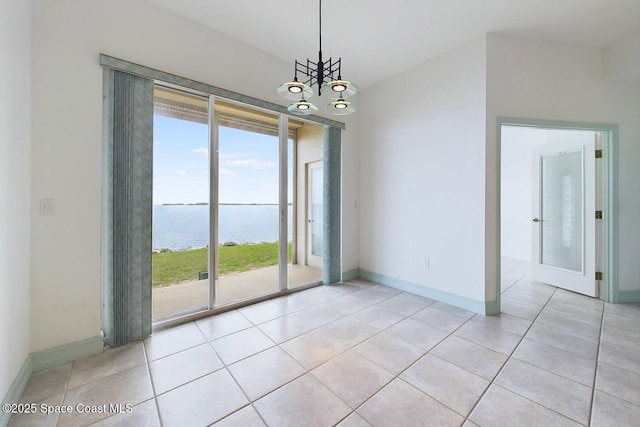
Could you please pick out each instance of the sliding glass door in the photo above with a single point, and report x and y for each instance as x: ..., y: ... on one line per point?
x: 180, y: 236
x: 235, y: 210
x: 248, y: 208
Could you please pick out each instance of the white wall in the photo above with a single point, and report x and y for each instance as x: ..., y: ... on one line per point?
x: 622, y: 60
x: 68, y: 36
x: 351, y: 192
x: 515, y: 189
x: 536, y: 80
x: 15, y: 187
x: 422, y: 174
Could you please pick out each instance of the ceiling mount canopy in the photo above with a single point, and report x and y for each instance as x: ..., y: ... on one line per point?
x: 327, y: 76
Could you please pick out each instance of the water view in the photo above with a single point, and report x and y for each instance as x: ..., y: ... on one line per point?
x: 178, y: 227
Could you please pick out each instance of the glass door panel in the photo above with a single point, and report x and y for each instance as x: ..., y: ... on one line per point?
x: 562, y: 217
x: 315, y: 213
x: 248, y: 204
x: 306, y: 261
x: 180, y: 204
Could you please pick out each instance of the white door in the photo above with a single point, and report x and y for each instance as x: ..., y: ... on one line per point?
x: 314, y: 213
x: 564, y: 221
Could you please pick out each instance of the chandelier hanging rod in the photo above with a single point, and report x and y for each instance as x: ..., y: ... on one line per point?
x: 320, y: 26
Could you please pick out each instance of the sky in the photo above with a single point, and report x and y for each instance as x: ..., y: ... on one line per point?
x: 248, y: 164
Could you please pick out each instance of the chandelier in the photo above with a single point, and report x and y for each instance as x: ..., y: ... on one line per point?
x: 327, y: 76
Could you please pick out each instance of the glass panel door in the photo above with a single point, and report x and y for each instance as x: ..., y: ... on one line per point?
x: 180, y: 203
x: 248, y: 203
x: 220, y: 201
x: 562, y: 217
x: 564, y: 205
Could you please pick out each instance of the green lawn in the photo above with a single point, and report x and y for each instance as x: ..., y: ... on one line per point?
x: 175, y: 267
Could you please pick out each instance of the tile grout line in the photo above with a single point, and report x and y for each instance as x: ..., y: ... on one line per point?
x: 562, y: 376
x: 226, y: 368
x: 510, y: 356
x: 257, y: 325
x: 349, y: 347
x: 153, y: 386
x: 66, y: 388
x: 397, y: 376
x: 595, y: 371
x: 308, y: 371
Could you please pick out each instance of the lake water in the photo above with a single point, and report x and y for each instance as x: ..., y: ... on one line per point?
x: 187, y: 226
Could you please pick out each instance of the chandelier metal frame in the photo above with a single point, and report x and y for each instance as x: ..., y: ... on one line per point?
x: 323, y: 74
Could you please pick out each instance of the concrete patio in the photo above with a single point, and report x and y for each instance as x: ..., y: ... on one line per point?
x: 189, y: 296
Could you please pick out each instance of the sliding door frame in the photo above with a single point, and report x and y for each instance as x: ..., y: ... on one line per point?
x: 332, y: 191
x: 213, y: 202
x: 283, y: 204
x: 141, y: 70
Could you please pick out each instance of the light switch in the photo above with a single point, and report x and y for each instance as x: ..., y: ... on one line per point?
x: 47, y: 206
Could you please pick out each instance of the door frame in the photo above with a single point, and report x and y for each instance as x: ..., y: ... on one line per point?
x: 609, y: 286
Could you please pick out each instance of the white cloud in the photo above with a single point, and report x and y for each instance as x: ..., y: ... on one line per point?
x: 252, y: 163
x: 226, y: 172
x: 236, y: 155
x: 203, y: 151
x: 181, y: 173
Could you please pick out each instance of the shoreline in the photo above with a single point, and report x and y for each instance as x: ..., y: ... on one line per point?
x: 221, y: 204
x: 220, y: 245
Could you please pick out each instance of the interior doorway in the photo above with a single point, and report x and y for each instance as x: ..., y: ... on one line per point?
x: 538, y: 232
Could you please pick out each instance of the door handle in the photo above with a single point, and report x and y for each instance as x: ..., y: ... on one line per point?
x: 535, y: 220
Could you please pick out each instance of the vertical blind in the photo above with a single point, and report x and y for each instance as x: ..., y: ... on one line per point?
x: 129, y: 145
x: 332, y: 198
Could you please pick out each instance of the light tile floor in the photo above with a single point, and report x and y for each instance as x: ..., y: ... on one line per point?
x: 359, y: 354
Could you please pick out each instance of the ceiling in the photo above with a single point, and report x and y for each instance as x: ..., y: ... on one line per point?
x: 380, y: 38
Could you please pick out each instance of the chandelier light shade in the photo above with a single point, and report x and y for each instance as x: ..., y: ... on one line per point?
x: 327, y: 76
x: 341, y: 107
x: 295, y: 90
x: 302, y: 108
x: 340, y: 89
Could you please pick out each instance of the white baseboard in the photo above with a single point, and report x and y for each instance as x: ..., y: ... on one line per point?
x: 351, y: 274
x: 47, y: 359
x: 482, y: 307
x: 628, y: 296
x: 16, y: 389
x: 67, y: 353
